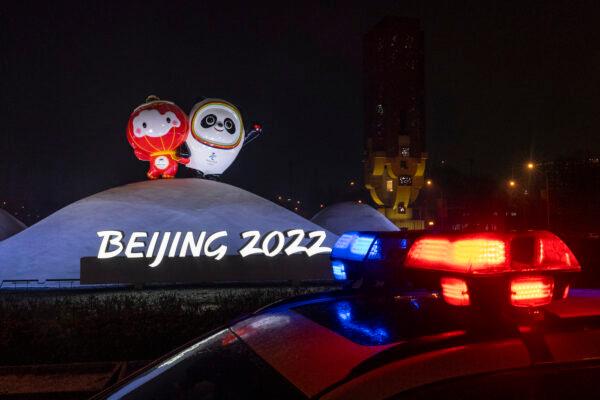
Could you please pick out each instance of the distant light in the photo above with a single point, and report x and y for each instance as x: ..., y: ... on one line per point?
x: 298, y: 202
x: 431, y: 223
x: 512, y: 183
x: 279, y: 198
x: 530, y: 165
x: 295, y: 208
x: 352, y: 183
x: 321, y: 205
x: 429, y: 182
x: 289, y: 199
x: 359, y: 201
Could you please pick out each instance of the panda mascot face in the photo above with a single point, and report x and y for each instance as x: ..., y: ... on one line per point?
x: 216, y: 136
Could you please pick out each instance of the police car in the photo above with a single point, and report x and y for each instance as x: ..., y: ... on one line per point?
x: 431, y: 316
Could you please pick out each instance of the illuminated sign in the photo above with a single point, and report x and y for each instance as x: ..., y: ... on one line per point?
x: 179, y: 245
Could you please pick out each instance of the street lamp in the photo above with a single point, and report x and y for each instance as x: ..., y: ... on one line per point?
x: 512, y: 183
x: 530, y: 165
x: 429, y: 182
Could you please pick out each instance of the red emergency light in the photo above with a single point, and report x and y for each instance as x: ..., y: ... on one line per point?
x: 525, y: 265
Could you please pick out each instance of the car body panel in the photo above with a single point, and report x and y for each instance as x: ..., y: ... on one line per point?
x: 309, y: 355
x: 433, y: 366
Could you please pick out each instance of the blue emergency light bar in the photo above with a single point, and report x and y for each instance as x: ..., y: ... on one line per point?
x: 356, y: 255
x: 352, y: 246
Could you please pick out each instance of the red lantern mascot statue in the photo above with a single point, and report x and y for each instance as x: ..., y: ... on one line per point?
x: 155, y: 130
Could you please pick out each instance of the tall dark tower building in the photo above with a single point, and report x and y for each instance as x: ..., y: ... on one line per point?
x: 395, y: 117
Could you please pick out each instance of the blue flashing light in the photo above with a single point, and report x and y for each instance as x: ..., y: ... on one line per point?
x: 352, y: 246
x: 345, y: 240
x: 339, y: 270
x: 361, y: 245
x: 376, y: 252
x: 403, y: 244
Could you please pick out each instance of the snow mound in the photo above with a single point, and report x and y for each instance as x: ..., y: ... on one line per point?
x: 348, y: 216
x: 9, y: 225
x: 52, y: 248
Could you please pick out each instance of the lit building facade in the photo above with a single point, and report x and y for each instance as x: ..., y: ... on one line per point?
x: 395, y: 118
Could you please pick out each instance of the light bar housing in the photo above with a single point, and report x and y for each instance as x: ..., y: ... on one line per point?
x: 520, y: 269
x: 492, y: 253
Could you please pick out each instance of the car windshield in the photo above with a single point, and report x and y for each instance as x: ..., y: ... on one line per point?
x: 218, y: 366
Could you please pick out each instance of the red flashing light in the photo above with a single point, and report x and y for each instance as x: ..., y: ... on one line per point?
x: 455, y: 291
x: 492, y: 253
x: 531, y: 291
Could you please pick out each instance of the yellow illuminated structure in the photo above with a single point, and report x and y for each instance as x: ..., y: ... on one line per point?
x: 394, y: 183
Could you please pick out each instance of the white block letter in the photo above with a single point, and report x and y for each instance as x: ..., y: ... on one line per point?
x: 107, y: 240
x: 134, y: 244
x: 219, y: 252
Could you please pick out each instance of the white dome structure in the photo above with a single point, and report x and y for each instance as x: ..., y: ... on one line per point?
x: 9, y: 225
x: 52, y: 248
x: 349, y: 216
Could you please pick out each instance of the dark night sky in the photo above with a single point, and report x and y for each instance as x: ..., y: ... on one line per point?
x: 503, y: 79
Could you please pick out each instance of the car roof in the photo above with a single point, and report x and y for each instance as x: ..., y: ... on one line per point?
x: 322, y: 341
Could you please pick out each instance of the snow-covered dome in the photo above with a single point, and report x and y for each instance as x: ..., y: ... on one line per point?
x: 349, y: 216
x: 9, y: 225
x: 52, y: 248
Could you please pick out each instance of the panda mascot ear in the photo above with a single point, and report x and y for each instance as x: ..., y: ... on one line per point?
x: 152, y: 97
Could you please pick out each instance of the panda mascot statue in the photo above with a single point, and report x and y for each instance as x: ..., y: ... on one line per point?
x: 215, y: 138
